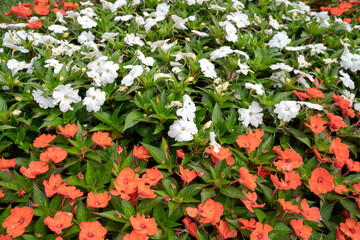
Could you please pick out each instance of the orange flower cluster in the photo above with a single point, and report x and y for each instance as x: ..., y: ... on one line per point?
x: 258, y: 230
x: 289, y: 159
x: 19, y: 219
x: 251, y: 140
x: 142, y: 227
x: 129, y: 185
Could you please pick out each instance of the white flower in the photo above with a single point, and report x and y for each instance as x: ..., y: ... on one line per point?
x: 345, y: 78
x: 240, y: 19
x: 135, y: 72
x: 329, y: 60
x: 123, y: 18
x: 86, y: 22
x: 57, y: 28
x: 54, y: 63
x: 281, y: 66
x: 350, y: 61
x: 252, y: 115
x: 322, y: 18
x: 182, y: 130
x: 312, y: 105
x: 180, y: 55
x: 244, y: 68
x: 94, y: 99
x: 279, y: 40
x: 357, y: 106
x: 200, y: 34
x: 302, y: 62
x: 207, y: 68
x: 316, y: 48
x: 191, y: 18
x: 213, y: 142
x: 179, y: 22
x: 133, y: 39
x: 221, y: 52
x: 44, y: 102
x: 162, y: 44
x: 64, y: 95
x: 162, y: 9
x: 148, y: 61
x: 257, y: 87
x: 187, y: 112
x: 273, y: 23
x: 16, y: 66
x: 231, y: 32
x: 108, y: 36
x: 287, y: 110
x: 298, y: 48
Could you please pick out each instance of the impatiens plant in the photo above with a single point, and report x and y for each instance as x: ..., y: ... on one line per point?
x: 194, y: 119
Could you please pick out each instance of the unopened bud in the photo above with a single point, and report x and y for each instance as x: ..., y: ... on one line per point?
x: 16, y: 112
x: 118, y: 215
x: 34, y: 204
x: 167, y: 198
x: 200, y: 174
x: 21, y: 192
x: 119, y: 150
x: 80, y: 175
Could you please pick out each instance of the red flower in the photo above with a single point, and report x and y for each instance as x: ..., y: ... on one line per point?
x: 190, y: 226
x: 247, y: 224
x: 350, y: 228
x: 301, y: 230
x: 210, y: 211
x: 134, y: 235
x: 56, y: 10
x: 225, y: 231
x: 22, y: 10
x: 336, y: 122
x: 247, y: 179
x: 288, y: 206
x: 92, y: 231
x: 6, y: 164
x: 60, y: 221
x: 315, y: 92
x: 143, y: 225
x: 51, y: 186
x: 19, y: 219
x: 70, y: 6
x: 141, y: 153
x: 69, y: 191
x: 187, y: 175
x: 98, y: 200
x: 289, y: 159
x: 43, y: 140
x: 222, y: 154
x: 102, y: 139
x: 301, y: 95
x: 317, y: 125
x: 250, y: 202
x: 312, y: 214
x: 34, y: 25
x: 321, y: 181
x: 261, y: 232
x: 69, y: 130
x: 55, y: 154
x: 152, y: 176
x: 251, y: 140
x: 42, y: 9
x: 35, y: 168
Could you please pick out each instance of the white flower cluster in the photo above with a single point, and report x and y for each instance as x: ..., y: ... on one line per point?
x: 184, y: 128
x: 102, y: 72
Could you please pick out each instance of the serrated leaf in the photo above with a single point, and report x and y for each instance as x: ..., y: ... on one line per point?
x: 81, y: 213
x: 155, y: 152
x: 90, y: 175
x: 131, y: 119
x: 40, y: 197
x: 300, y: 136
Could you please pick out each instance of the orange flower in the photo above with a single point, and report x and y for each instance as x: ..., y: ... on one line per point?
x: 98, y: 200
x: 190, y: 226
x: 180, y: 153
x: 152, y: 176
x: 292, y: 181
x: 37, y: 2
x: 141, y: 153
x: 59, y: 238
x: 250, y: 202
x: 222, y: 154
x: 55, y: 154
x: 144, y: 190
x: 341, y: 150
x: 301, y: 230
x: 19, y: 219
x: 315, y: 92
x: 312, y: 214
x: 336, y: 122
x: 341, y: 101
x: 289, y: 159
x: 69, y: 191
x: 350, y: 228
x: 70, y: 6
x: 301, y: 95
x: 261, y: 232
x: 317, y: 125
x: 210, y: 211
x: 22, y: 10
x: 6, y: 164
x: 60, y: 221
x: 51, y: 186
x: 56, y: 10
x: 248, y: 224
x: 339, y: 235
x: 69, y: 130
x: 353, y: 166
x: 92, y: 231
x: 344, y: 6
x: 43, y: 140
x: 143, y: 225
x: 135, y: 236
x: 321, y: 158
x: 321, y: 181
x: 340, y: 189
x: 2, y: 194
x: 288, y: 206
x: 35, y: 168
x: 125, y: 183
x: 102, y: 139
x: 336, y: 11
x: 187, y: 175
x: 5, y: 237
x: 42, y: 9
x: 251, y: 140
x: 34, y: 25
x: 225, y: 231
x: 247, y: 179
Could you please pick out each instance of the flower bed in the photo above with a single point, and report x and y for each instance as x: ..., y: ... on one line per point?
x: 179, y: 120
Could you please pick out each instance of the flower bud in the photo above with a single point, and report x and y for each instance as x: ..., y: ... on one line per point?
x: 16, y: 112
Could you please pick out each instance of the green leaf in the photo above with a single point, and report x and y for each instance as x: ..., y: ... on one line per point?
x: 155, y: 152
x: 147, y: 205
x: 81, y: 213
x: 350, y: 206
x: 104, y: 172
x: 218, y: 119
x: 300, y: 136
x: 233, y: 192
x: 10, y: 185
x: 112, y: 216
x: 131, y: 119
x: 260, y: 214
x: 206, y: 194
x: 40, y: 227
x: 90, y: 175
x: 326, y: 211
x: 40, y: 197
x: 127, y: 208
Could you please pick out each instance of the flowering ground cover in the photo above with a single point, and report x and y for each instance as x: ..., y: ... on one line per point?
x: 179, y: 120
